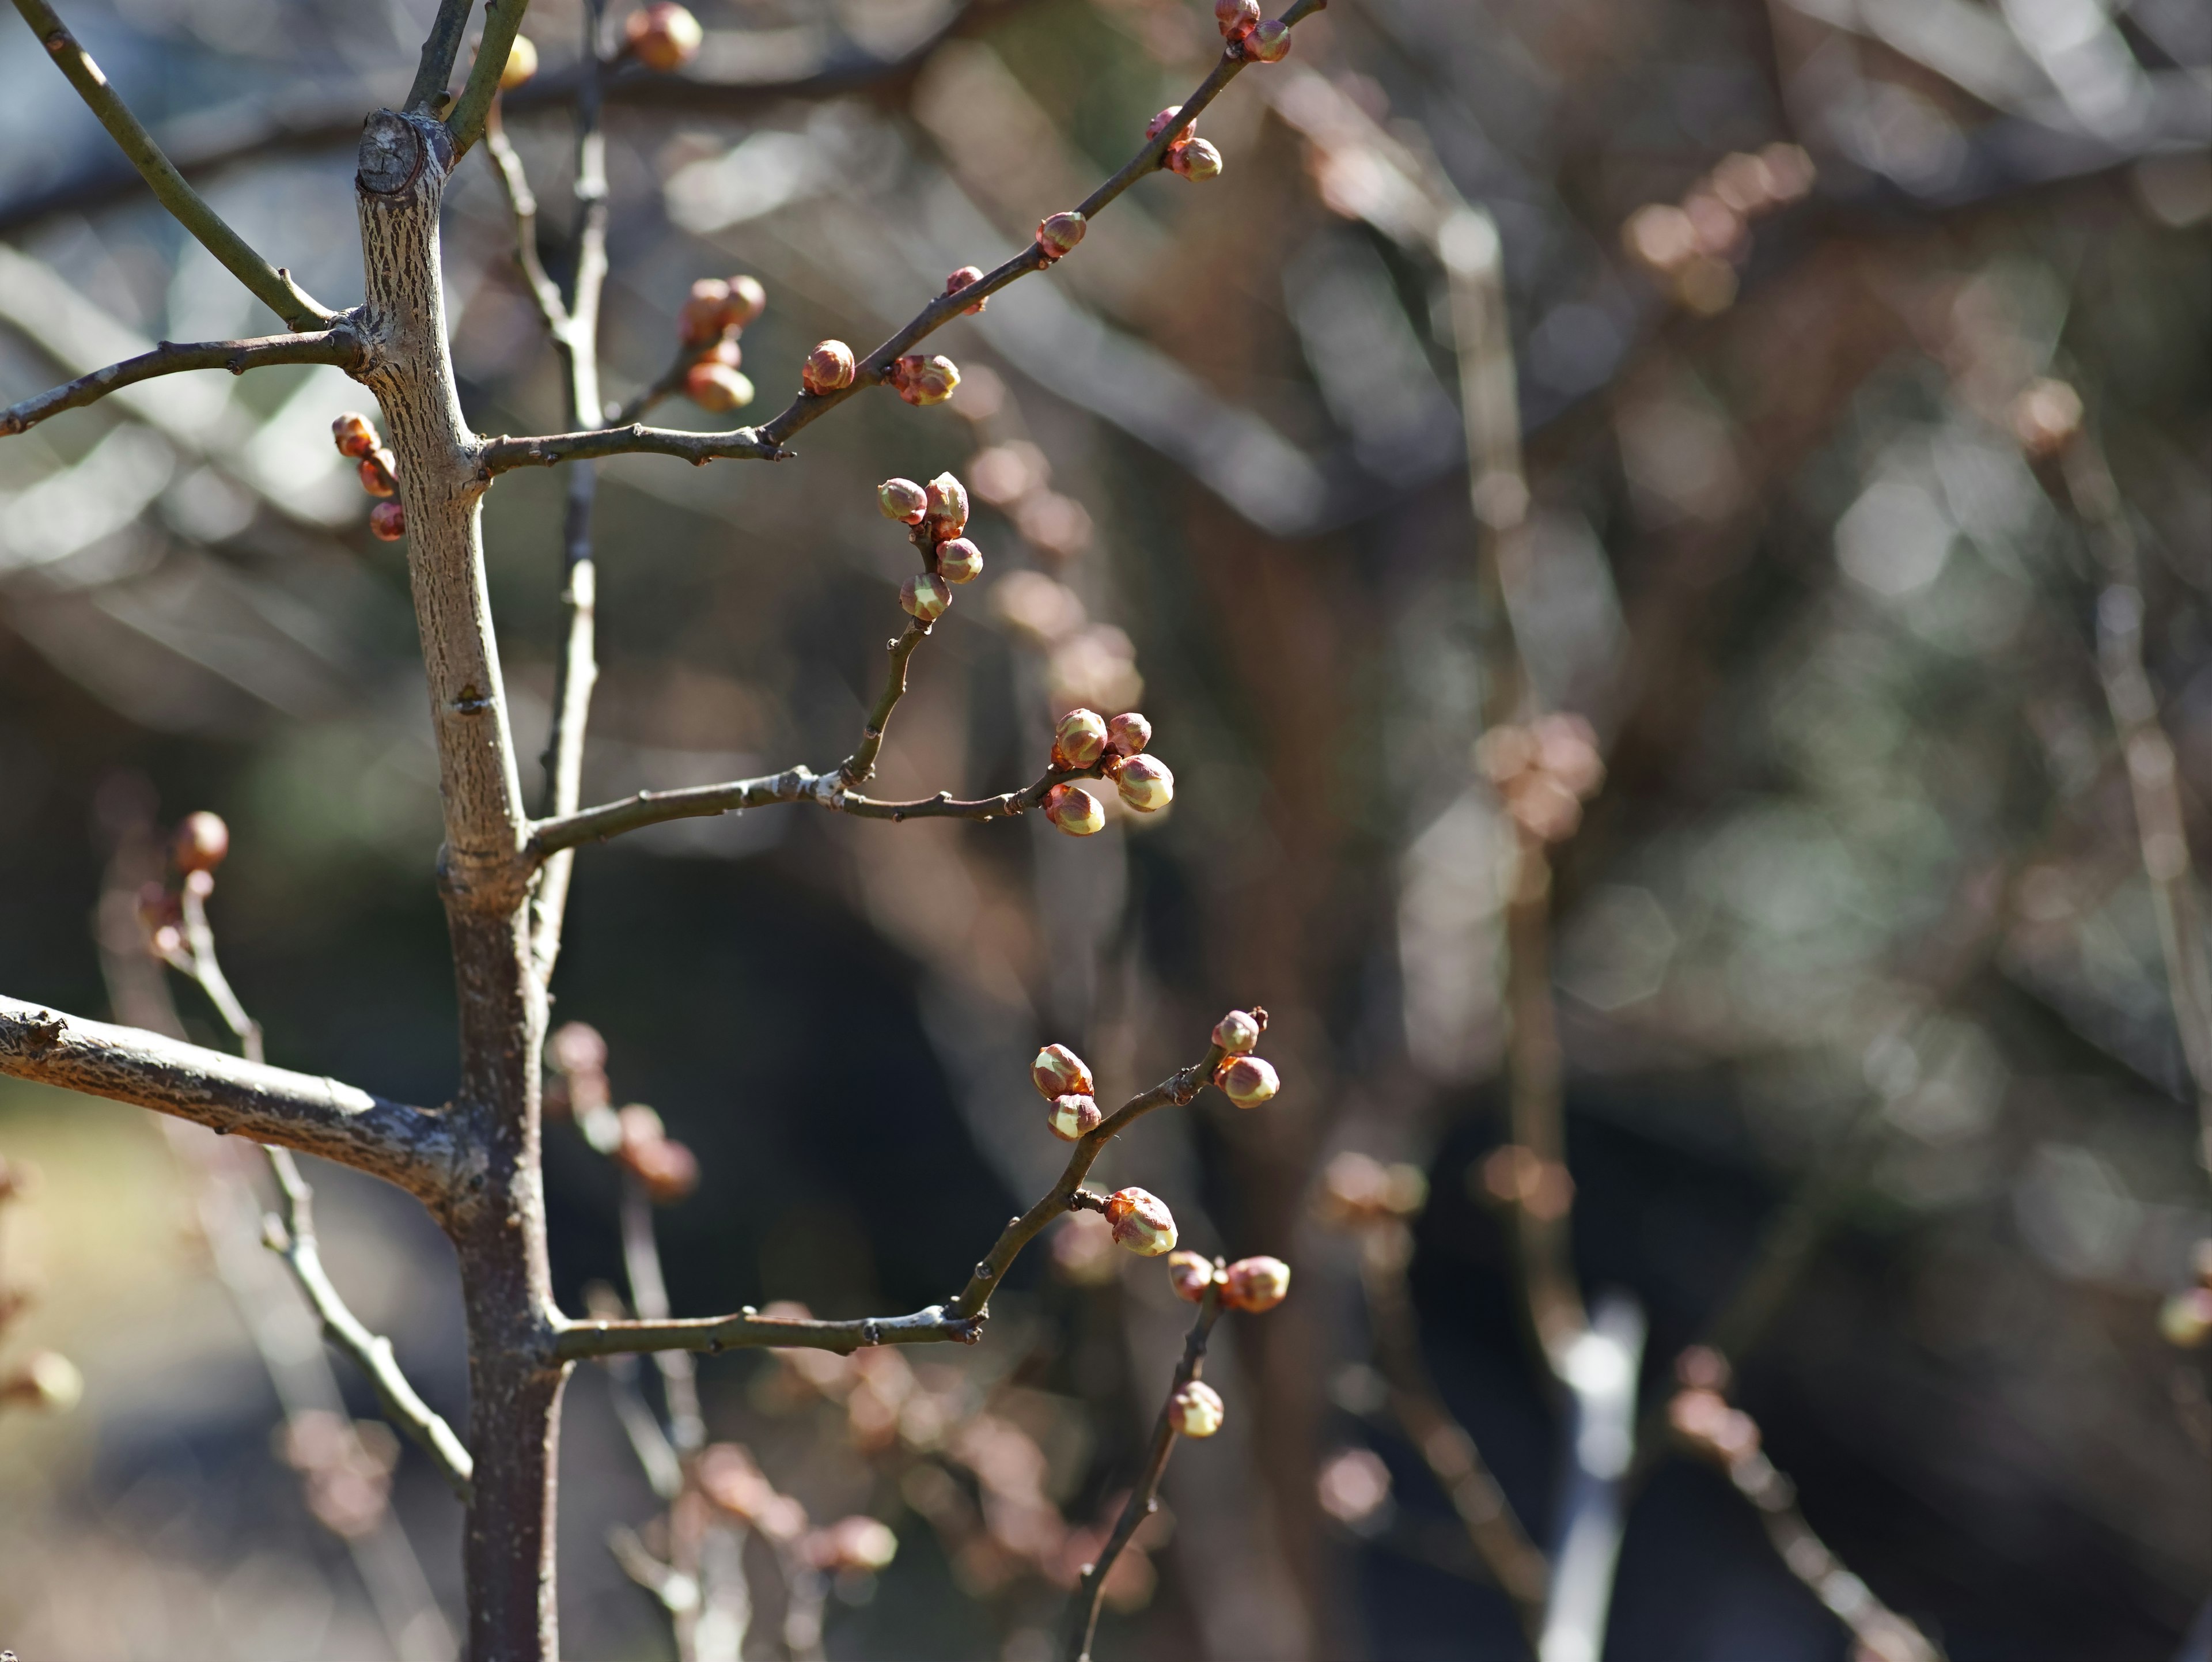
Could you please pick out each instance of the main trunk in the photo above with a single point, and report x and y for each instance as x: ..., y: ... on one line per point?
x: 495, y: 1215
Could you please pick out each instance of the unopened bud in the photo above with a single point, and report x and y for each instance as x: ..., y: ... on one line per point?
x: 828, y: 368
x: 201, y: 842
x: 967, y: 278
x: 1160, y: 122
x: 1141, y: 1222
x: 948, y: 507
x: 725, y: 351
x: 1196, y: 1411
x: 1144, y: 784
x: 902, y: 500
x: 668, y: 1170
x: 577, y: 1047
x: 1248, y: 1082
x: 1079, y: 740
x: 1058, y: 235
x: 664, y: 37
x: 1236, y: 1032
x: 1190, y: 1274
x: 1073, y: 1117
x: 387, y: 522
x: 959, y: 561
x: 1074, y: 810
x: 1270, y: 43
x: 705, y: 312
x: 1196, y: 161
x: 380, y: 473
x: 46, y: 1380
x: 1254, y: 1284
x: 2185, y: 1320
x: 354, y: 435
x: 1128, y: 733
x: 521, y: 64
x: 925, y: 380
x: 716, y: 387
x: 1059, y: 1072
x: 926, y: 597
x: 747, y: 300
x: 1235, y: 18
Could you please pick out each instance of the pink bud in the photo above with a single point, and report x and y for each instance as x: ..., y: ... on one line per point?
x: 1144, y: 784
x: 377, y: 475
x: 924, y: 380
x: 966, y: 277
x: 959, y: 561
x: 1236, y: 1032
x: 1236, y: 18
x: 664, y: 37
x: 1270, y: 43
x: 1073, y: 1117
x: 201, y: 842
x: 1196, y: 161
x: 926, y: 597
x: 1079, y: 740
x: 354, y: 435
x: 725, y: 351
x: 1197, y: 1410
x: 1160, y: 122
x: 1190, y: 1274
x: 577, y: 1047
x: 1141, y: 1222
x: 1246, y: 1080
x: 948, y: 507
x: 1256, y: 1284
x: 716, y: 387
x: 1058, y: 1072
x: 747, y: 300
x: 828, y: 368
x: 1129, y: 733
x: 1074, y: 810
x: 387, y: 522
x: 1058, y: 235
x: 902, y: 500
x: 705, y: 314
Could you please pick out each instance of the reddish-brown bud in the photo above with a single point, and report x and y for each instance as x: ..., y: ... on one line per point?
x: 747, y: 300
x: 967, y: 278
x: 1196, y: 161
x: 1160, y: 122
x: 902, y: 500
x: 1196, y: 1411
x: 828, y: 368
x: 521, y: 64
x: 926, y: 597
x: 725, y: 351
x: 705, y: 313
x: 1246, y: 1080
x: 1235, y: 18
x: 664, y: 37
x: 1072, y: 1117
x: 354, y: 435
x: 1190, y: 1274
x: 379, y: 473
x: 1074, y: 810
x: 1141, y: 1222
x: 1144, y: 784
x: 1128, y: 733
x: 387, y: 522
x: 1270, y: 43
x: 922, y: 379
x: 1254, y: 1284
x: 716, y: 387
x: 1079, y: 740
x: 1058, y: 235
x: 947, y: 506
x: 201, y: 842
x: 1238, y: 1032
x: 1059, y: 1072
x: 959, y: 561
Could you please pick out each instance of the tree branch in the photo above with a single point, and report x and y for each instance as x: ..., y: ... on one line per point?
x: 337, y: 346
x: 503, y: 21
x: 409, y: 1147
x: 507, y: 163
x: 272, y: 285
x: 499, y: 456
x: 441, y: 48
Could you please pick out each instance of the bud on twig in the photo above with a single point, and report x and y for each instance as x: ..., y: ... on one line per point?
x: 387, y: 522
x: 902, y: 500
x: 747, y: 300
x: 1140, y: 1221
x: 1129, y: 733
x: 716, y: 387
x: 1079, y: 740
x: 1144, y: 784
x: 926, y: 597
x: 1270, y: 43
x: 1248, y: 1082
x: 379, y: 474
x: 967, y: 278
x: 947, y: 506
x: 1160, y: 122
x: 1196, y: 161
x: 664, y: 37
x: 1196, y: 1411
x: 201, y: 842
x: 828, y: 368
x: 1073, y: 1117
x: 1074, y: 810
x: 354, y: 435
x: 1059, y: 1072
x: 925, y: 379
x: 1235, y: 18
x: 1236, y: 1032
x: 959, y: 561
x: 1190, y: 1274
x: 705, y: 313
x: 1057, y: 236
x: 1255, y: 1285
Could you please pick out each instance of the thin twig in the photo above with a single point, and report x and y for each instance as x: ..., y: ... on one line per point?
x: 1599, y: 1369
x: 337, y: 346
x: 272, y: 285
x: 503, y: 21
x: 860, y: 766
x: 442, y: 49
x: 523, y: 205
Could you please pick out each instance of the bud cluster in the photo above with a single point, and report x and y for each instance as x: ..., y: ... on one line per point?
x: 1694, y: 247
x: 1544, y: 771
x: 355, y: 436
x: 1244, y: 1078
x: 663, y: 37
x: 1250, y: 37
x: 708, y: 326
x: 927, y: 378
x: 632, y: 1137
x: 1187, y: 153
x: 1063, y: 1079
x: 1254, y: 1284
x: 197, y: 846
x: 937, y: 512
x: 1084, y: 740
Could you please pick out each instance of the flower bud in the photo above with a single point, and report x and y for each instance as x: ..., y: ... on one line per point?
x: 1072, y: 1117
x: 577, y: 1047
x: 716, y: 387
x: 1236, y: 1032
x: 1270, y: 43
x: 1160, y: 122
x: 1246, y: 1080
x: 379, y: 471
x: 747, y: 300
x: 948, y: 507
x: 201, y: 842
x: 1058, y: 1072
x: 1190, y: 1274
x: 724, y: 351
x: 1079, y: 740
x: 387, y: 522
x: 926, y: 597
x: 967, y: 278
x: 1141, y: 1222
x: 1074, y: 811
x: 1196, y: 161
x: 828, y: 368
x: 668, y: 1170
x: 664, y: 37
x: 1256, y: 1284
x: 46, y: 1380
x: 704, y: 312
x: 1144, y: 784
x: 1236, y: 18
x: 924, y: 380
x: 959, y: 561
x: 354, y: 435
x: 902, y: 500
x: 521, y: 64
x: 1058, y: 235
x: 1128, y: 733
x: 1196, y: 1411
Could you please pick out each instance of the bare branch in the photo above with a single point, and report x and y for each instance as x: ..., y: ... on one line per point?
x: 337, y: 346
x: 500, y: 455
x: 503, y: 21
x: 409, y: 1147
x: 272, y: 285
x: 524, y: 206
x: 441, y: 48
x: 860, y: 766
